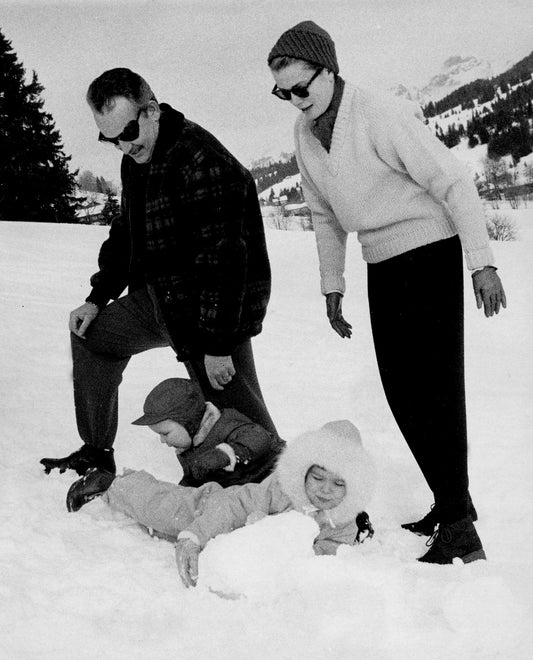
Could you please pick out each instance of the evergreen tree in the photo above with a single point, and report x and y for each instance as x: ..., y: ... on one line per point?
x: 35, y: 183
x: 111, y: 208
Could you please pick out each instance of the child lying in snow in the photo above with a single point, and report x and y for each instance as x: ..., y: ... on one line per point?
x: 325, y: 474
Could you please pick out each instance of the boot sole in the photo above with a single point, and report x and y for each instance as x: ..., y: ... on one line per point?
x: 474, y: 556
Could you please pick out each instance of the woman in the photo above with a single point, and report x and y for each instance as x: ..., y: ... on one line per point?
x: 370, y: 165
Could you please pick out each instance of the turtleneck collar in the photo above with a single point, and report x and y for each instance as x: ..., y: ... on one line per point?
x: 322, y: 127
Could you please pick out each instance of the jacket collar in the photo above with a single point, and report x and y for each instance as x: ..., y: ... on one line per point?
x: 171, y: 124
x: 211, y: 416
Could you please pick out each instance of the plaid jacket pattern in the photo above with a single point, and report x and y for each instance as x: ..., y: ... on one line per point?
x: 205, y: 252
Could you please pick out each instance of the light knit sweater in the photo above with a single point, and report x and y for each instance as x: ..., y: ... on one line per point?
x: 388, y: 178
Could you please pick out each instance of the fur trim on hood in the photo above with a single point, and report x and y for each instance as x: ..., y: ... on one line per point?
x: 337, y: 447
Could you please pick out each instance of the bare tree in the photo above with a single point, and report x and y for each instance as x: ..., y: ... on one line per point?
x: 501, y: 228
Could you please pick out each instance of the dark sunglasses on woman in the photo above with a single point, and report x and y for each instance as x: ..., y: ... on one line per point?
x: 130, y: 132
x: 300, y: 90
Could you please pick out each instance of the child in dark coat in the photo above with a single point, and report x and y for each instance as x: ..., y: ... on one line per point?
x: 223, y: 445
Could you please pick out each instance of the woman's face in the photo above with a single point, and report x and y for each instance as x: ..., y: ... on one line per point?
x: 320, y: 90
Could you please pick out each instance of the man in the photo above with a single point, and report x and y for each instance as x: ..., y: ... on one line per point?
x: 189, y: 244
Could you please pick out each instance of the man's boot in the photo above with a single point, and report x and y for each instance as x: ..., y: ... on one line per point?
x: 81, y: 460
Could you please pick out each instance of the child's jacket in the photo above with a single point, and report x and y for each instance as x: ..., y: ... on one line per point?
x: 336, y: 447
x: 254, y: 448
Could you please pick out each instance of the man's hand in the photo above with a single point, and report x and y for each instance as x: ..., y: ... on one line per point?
x: 488, y: 290
x: 187, y: 552
x: 334, y: 311
x: 82, y: 317
x: 219, y: 369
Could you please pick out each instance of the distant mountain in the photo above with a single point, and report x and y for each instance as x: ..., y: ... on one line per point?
x: 455, y: 72
x: 483, y: 90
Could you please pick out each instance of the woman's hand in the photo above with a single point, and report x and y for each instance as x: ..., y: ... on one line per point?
x: 488, y: 290
x: 187, y: 552
x: 334, y: 312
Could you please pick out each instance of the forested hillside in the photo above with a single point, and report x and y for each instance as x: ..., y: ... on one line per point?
x: 500, y: 113
x: 482, y: 89
x: 268, y: 172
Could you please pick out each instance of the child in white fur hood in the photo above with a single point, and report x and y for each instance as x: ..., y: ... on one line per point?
x: 326, y: 474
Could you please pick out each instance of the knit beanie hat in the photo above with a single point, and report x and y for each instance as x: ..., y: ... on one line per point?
x: 307, y: 41
x: 178, y: 399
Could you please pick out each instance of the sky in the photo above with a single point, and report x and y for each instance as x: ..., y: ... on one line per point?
x: 208, y: 57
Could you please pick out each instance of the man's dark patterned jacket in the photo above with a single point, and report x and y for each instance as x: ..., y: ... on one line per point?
x: 200, y: 238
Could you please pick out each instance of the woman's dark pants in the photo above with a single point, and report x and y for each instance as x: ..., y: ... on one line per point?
x: 416, y: 311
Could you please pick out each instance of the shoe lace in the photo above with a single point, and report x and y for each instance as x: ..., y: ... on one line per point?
x: 442, y: 533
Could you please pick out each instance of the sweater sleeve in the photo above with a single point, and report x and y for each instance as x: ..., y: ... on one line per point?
x: 113, y: 262
x: 228, y: 509
x: 406, y: 144
x: 329, y: 540
x: 330, y: 236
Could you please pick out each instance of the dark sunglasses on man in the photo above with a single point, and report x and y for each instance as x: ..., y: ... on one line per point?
x: 130, y: 132
x: 300, y: 90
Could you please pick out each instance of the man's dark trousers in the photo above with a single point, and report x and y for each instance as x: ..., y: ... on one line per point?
x: 130, y: 325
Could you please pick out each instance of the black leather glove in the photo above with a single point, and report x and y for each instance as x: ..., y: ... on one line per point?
x: 364, y: 527
x: 334, y: 312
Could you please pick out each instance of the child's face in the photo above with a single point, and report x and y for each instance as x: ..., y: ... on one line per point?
x: 324, y: 489
x: 173, y: 434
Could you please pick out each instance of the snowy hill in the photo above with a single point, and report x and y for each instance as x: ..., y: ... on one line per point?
x: 91, y: 205
x: 94, y: 585
x: 287, y: 183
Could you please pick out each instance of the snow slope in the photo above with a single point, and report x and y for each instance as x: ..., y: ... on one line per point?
x: 93, y: 585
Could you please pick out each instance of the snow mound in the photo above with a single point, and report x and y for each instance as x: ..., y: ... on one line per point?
x: 465, y: 609
x: 256, y: 561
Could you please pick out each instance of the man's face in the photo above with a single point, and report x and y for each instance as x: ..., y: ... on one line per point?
x: 112, y: 121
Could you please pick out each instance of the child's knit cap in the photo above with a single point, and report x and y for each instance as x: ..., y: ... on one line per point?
x: 307, y: 41
x: 178, y: 399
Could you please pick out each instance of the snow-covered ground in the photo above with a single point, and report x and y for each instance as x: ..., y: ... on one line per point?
x: 94, y: 585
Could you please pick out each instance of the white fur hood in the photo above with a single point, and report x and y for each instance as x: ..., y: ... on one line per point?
x: 337, y: 447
